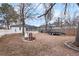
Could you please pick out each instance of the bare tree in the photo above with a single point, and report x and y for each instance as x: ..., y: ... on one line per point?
x: 25, y: 13
x: 22, y: 17
x: 52, y: 5
x: 23, y: 10
x: 48, y: 13
x: 76, y: 43
x: 8, y: 12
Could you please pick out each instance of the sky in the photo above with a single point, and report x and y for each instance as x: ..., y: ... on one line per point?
x: 58, y: 9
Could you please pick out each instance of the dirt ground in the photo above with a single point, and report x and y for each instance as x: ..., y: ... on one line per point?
x: 43, y: 45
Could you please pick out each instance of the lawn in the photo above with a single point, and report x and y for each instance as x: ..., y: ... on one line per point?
x: 43, y: 45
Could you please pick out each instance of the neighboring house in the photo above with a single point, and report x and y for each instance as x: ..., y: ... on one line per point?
x: 19, y: 27
x: 42, y: 27
x: 30, y: 28
x: 49, y: 27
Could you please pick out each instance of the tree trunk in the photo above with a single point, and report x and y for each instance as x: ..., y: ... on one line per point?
x: 61, y: 23
x: 22, y: 18
x: 20, y: 28
x: 7, y: 24
x: 46, y: 27
x: 76, y: 43
x: 23, y: 28
x: 46, y: 23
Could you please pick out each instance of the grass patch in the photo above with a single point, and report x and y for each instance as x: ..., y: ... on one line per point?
x: 13, y: 45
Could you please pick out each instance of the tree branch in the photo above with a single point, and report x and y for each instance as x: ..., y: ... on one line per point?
x: 47, y: 11
x: 65, y: 9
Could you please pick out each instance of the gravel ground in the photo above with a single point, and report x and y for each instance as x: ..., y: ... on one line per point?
x: 43, y: 45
